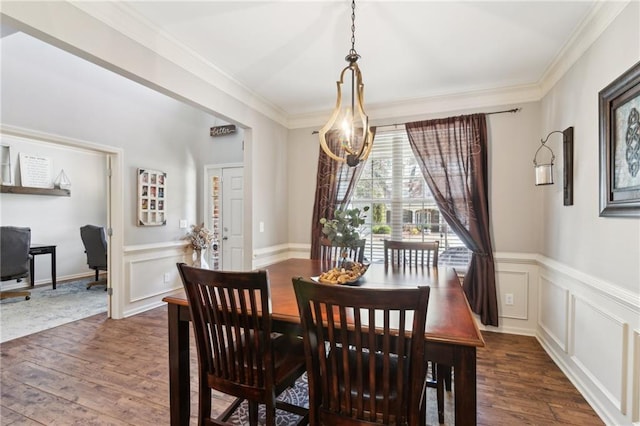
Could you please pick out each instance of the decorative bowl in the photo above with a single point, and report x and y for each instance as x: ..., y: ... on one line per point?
x: 350, y: 274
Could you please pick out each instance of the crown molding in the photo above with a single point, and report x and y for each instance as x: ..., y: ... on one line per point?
x: 124, y: 19
x: 432, y: 105
x: 598, y: 19
x: 127, y: 21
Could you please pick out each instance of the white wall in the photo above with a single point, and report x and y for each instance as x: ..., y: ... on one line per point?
x: 57, y: 220
x: 608, y: 248
x: 589, y: 285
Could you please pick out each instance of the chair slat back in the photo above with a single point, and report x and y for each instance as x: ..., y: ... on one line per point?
x: 231, y: 317
x: 365, y: 352
x: 332, y: 253
x: 411, y: 253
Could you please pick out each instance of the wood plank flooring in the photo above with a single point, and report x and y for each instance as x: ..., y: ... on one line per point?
x: 115, y: 372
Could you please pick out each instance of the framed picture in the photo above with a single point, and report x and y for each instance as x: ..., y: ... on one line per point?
x: 151, y: 197
x: 619, y: 111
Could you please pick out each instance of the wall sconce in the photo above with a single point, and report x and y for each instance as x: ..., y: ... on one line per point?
x: 544, y: 171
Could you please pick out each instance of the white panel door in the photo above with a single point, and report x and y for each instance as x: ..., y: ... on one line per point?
x: 232, y: 219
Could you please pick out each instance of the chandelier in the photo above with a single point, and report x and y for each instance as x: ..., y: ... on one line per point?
x: 348, y: 122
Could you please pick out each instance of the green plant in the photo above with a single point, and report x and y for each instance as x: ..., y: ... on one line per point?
x: 344, y: 228
x: 381, y: 229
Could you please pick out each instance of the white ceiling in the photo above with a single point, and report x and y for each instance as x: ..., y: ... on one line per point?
x: 291, y: 52
x: 288, y: 54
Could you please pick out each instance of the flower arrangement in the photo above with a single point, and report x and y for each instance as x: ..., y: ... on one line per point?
x: 201, y: 238
x: 343, y: 229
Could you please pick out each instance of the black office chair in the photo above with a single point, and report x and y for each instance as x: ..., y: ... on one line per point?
x: 95, y: 245
x: 14, y: 258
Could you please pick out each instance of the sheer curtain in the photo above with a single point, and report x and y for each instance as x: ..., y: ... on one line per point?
x: 335, y: 183
x: 452, y: 153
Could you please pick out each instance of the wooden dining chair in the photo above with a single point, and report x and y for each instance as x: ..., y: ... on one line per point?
x: 360, y: 369
x: 410, y: 253
x: 330, y: 253
x: 237, y: 353
x: 420, y: 254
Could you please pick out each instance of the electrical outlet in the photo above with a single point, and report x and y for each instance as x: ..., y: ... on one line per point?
x: 167, y: 277
x: 508, y: 299
x: 183, y: 223
x: 261, y: 224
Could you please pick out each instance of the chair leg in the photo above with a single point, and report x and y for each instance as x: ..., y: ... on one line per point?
x: 447, y: 377
x: 440, y: 384
x: 253, y: 413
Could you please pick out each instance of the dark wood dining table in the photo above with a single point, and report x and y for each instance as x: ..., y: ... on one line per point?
x: 452, y: 335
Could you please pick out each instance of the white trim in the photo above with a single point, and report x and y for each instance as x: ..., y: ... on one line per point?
x: 561, y: 341
x: 141, y: 248
x: 600, y: 16
x: 619, y: 403
x: 613, y: 292
x: 127, y: 21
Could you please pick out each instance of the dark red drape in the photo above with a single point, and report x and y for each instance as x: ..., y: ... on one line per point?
x: 452, y: 153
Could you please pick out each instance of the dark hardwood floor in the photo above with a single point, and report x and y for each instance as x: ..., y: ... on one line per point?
x: 97, y: 372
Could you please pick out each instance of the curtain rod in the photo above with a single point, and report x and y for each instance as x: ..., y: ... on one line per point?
x: 512, y: 110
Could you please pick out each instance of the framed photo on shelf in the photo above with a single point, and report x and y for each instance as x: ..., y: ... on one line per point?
x: 619, y: 113
x: 151, y: 197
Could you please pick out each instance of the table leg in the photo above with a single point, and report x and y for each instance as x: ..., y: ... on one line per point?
x: 179, y: 376
x: 53, y: 267
x: 465, y: 385
x: 32, y: 271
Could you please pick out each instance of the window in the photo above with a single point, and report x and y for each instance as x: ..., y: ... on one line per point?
x: 401, y: 205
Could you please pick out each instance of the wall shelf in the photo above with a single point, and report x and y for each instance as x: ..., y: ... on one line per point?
x: 9, y: 189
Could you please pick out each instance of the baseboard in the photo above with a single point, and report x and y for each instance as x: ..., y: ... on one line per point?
x: 24, y: 284
x: 581, y: 386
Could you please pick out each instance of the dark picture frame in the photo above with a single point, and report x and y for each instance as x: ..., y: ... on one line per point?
x: 619, y: 114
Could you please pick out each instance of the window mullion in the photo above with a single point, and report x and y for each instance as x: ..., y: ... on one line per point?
x: 396, y: 179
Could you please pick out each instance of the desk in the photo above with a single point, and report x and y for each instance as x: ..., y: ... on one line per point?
x: 452, y: 335
x: 37, y: 249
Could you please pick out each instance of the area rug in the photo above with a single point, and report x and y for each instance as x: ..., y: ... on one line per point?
x: 49, y: 308
x: 296, y: 395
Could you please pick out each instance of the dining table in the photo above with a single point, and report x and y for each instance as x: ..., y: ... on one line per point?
x: 451, y: 335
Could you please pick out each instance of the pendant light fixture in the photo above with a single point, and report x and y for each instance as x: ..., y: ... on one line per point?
x: 348, y: 121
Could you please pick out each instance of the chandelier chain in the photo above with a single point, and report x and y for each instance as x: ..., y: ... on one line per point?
x: 353, y: 28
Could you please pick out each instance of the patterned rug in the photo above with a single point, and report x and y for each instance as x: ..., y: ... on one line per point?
x: 49, y: 308
x: 296, y: 395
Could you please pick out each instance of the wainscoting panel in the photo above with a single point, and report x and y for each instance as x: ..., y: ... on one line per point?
x: 635, y: 373
x: 588, y: 355
x: 513, y: 290
x: 601, y: 351
x: 553, y: 315
x: 151, y: 274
